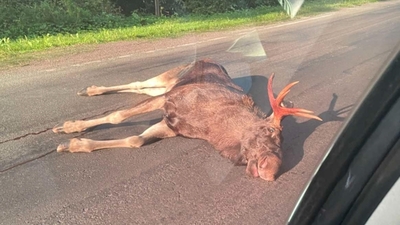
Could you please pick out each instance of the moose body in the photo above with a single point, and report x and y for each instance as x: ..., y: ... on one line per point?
x: 201, y: 101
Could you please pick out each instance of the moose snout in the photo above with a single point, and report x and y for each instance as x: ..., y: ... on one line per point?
x: 268, y: 166
x: 268, y: 176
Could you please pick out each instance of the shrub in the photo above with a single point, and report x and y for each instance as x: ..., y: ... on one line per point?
x: 30, y: 18
x: 205, y: 7
x: 41, y: 17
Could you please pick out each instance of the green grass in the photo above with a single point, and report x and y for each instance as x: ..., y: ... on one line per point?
x: 15, y: 52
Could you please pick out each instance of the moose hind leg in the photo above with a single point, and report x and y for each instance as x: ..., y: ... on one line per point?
x: 117, y: 117
x: 160, y: 84
x: 159, y: 130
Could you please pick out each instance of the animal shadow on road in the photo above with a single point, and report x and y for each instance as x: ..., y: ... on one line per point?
x: 294, y: 134
x: 299, y: 132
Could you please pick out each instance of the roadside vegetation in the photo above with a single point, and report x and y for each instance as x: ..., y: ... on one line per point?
x: 28, y: 27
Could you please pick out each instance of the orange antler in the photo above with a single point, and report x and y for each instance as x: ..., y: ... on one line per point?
x: 280, y: 112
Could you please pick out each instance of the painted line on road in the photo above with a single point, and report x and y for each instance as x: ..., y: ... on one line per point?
x: 188, y: 44
x: 287, y: 23
x: 244, y: 32
x: 297, y: 22
x: 125, y: 56
x: 194, y: 43
x: 86, y: 63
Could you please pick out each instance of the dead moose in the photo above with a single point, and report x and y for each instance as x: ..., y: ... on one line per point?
x: 199, y: 100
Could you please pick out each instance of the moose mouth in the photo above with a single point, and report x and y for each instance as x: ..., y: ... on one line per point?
x: 268, y: 177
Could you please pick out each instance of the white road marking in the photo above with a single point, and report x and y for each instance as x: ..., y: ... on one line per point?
x: 198, y: 42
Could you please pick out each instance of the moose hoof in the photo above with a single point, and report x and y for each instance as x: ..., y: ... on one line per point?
x: 91, y: 91
x: 76, y: 145
x: 64, y: 147
x: 58, y: 129
x: 70, y: 127
x: 83, y: 92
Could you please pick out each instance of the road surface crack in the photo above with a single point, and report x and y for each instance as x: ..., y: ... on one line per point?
x: 44, y: 131
x: 26, y: 135
x: 48, y: 129
x: 27, y: 161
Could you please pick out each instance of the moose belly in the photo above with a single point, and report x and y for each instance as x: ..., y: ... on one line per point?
x: 215, y: 115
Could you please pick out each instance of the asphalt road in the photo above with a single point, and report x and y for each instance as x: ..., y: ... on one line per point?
x: 335, y: 56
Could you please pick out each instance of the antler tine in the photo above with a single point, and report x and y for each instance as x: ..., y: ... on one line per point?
x: 280, y: 112
x: 285, y: 91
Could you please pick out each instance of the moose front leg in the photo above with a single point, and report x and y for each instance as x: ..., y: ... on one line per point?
x: 135, y: 87
x: 117, y: 117
x: 159, y: 130
x: 154, y: 86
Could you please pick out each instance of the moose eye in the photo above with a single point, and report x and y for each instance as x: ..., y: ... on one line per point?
x: 271, y: 130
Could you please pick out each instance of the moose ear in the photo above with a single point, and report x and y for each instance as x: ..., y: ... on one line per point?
x: 251, y: 169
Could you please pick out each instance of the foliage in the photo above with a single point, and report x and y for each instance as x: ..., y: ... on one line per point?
x: 35, y: 18
x: 205, y: 7
x: 30, y: 18
x: 39, y: 24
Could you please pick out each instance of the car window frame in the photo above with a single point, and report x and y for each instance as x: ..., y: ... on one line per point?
x: 362, y: 123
